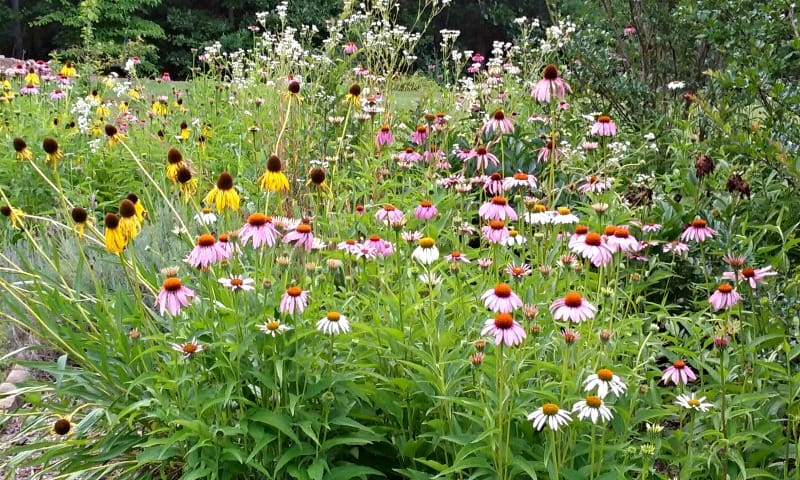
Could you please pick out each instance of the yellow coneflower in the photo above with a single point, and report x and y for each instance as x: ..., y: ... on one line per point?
x: 80, y: 216
x: 159, y: 108
x: 293, y: 91
x: 123, y: 107
x: 23, y: 152
x: 273, y: 179
x: 185, y: 132
x: 113, y: 135
x: 52, y: 151
x: 129, y: 223
x: 179, y: 105
x: 174, y: 163
x: 318, y: 178
x: 141, y: 212
x: 32, y: 78
x: 97, y: 128
x: 201, y: 143
x: 102, y: 111
x: 134, y: 94
x: 187, y: 183
x: 14, y: 214
x: 115, y: 239
x: 223, y: 195
x: 354, y: 95
x: 5, y: 84
x: 68, y: 69
x: 95, y: 98
x: 206, y: 130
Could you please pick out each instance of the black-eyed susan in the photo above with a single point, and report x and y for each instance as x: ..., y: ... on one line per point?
x: 52, y: 151
x: 14, y: 214
x: 68, y: 69
x: 129, y: 223
x: 23, y: 152
x: 94, y: 98
x: 141, y: 212
x: 63, y: 426
x: 187, y: 184
x: 223, y: 195
x: 274, y: 180
x: 80, y: 216
x: 353, y: 96
x: 201, y: 143
x: 174, y: 163
x: 114, y: 136
x: 114, y: 238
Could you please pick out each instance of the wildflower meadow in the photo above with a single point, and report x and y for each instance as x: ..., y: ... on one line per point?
x: 311, y: 261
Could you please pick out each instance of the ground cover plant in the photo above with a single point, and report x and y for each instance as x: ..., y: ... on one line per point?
x: 287, y: 267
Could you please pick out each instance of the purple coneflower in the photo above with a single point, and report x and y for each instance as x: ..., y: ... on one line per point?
x: 493, y: 184
x: 518, y: 271
x: 57, y: 94
x: 301, y: 237
x: 173, y: 296
x: 349, y: 48
x: 593, y: 247
x: 578, y: 235
x: 622, y: 241
x: 724, y: 297
x: 409, y: 156
x: 236, y: 283
x: 426, y: 210
x: 495, y: 232
x: 483, y: 158
x: 752, y: 276
x: 604, y: 127
x: 381, y: 246
x: 675, y: 247
x: 550, y: 85
x: 572, y: 308
x: 678, y: 373
x: 547, y: 152
x: 594, y: 184
x: 187, y: 349
x: 384, y: 136
x: 501, y: 299
x: 389, y: 214
x: 456, y: 257
x: 206, y: 252
x: 260, y: 229
x: 505, y: 329
x: 497, y: 209
x: 294, y: 300
x: 420, y: 135
x: 498, y: 124
x: 698, y: 231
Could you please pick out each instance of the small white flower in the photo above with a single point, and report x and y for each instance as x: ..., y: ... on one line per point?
x: 206, y: 217
x: 604, y: 380
x: 691, y: 403
x: 676, y: 85
x: 430, y: 279
x: 592, y: 408
x: 549, y: 414
x: 333, y: 323
x: 236, y: 282
x: 273, y: 327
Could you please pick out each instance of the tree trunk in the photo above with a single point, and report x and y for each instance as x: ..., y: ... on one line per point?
x: 17, y: 49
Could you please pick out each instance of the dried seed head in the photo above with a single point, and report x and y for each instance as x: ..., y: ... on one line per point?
x: 174, y: 156
x: 225, y: 181
x: 79, y: 215
x: 50, y: 145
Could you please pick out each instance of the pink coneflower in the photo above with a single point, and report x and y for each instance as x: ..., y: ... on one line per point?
x: 505, y: 330
x: 578, y: 235
x: 675, y: 247
x: 495, y: 232
x: 411, y: 236
x: 520, y: 179
x: 484, y: 263
x: 58, y: 94
x: 426, y: 210
x: 651, y: 227
x: 698, y: 231
x: 465, y: 154
x: 456, y: 257
x: 483, y: 158
x: 589, y: 146
x: 498, y: 124
x: 752, y: 276
x: 497, y: 209
x: 433, y: 155
x: 550, y: 85
x: 594, y: 184
x: 381, y: 246
x: 595, y: 248
x: 260, y: 229
x: 724, y: 297
x: 349, y: 48
x: 629, y: 30
x: 678, y: 373
x: 384, y: 136
x: 349, y: 246
x: 187, y: 349
x: 29, y: 89
x: 366, y: 252
x: 548, y: 152
x: 572, y: 308
x: 302, y: 236
x: 420, y: 135
x: 206, y: 252
x: 236, y: 283
x: 409, y: 156
x: 389, y: 214
x: 518, y: 271
x: 501, y: 299
x: 493, y: 184
x: 734, y: 261
x: 225, y: 244
x: 294, y: 300
x: 604, y: 127
x: 622, y: 241
x: 173, y: 296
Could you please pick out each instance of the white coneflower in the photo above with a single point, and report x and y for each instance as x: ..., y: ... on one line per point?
x: 592, y: 408
x: 605, y: 380
x: 333, y: 323
x: 236, y: 282
x: 426, y: 253
x: 549, y: 414
x: 690, y: 402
